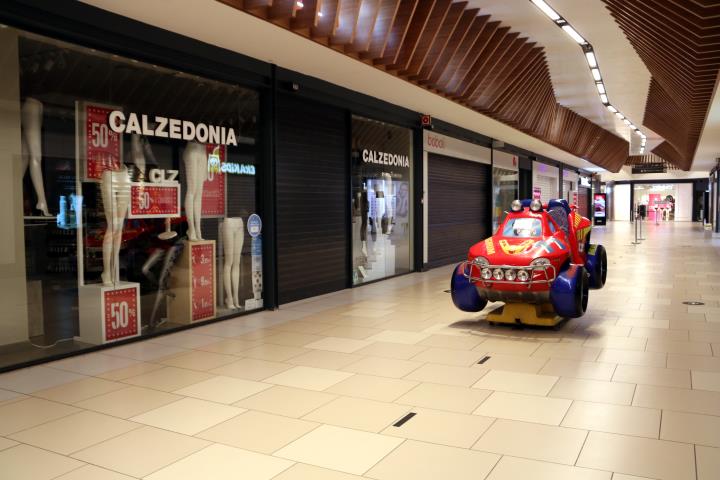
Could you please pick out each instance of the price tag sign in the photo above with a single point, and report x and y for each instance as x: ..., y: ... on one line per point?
x: 120, y: 314
x: 203, y: 285
x: 213, y: 196
x: 154, y: 200
x: 101, y: 148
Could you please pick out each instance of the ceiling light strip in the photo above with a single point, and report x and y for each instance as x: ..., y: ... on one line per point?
x: 591, y: 61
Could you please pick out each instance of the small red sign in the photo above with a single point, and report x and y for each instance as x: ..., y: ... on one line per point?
x: 154, y: 201
x: 213, y: 197
x: 426, y: 121
x: 102, y: 145
x: 203, y: 275
x: 120, y: 315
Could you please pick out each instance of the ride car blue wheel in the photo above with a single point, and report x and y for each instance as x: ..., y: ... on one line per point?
x: 464, y: 294
x: 596, y: 266
x: 569, y: 292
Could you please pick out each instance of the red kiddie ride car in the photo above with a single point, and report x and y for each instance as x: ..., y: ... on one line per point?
x: 541, y: 254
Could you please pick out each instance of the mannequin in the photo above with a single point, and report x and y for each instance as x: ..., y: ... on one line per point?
x: 389, y: 197
x: 233, y: 238
x: 137, y: 155
x: 171, y: 257
x: 115, y: 189
x: 195, y: 159
x: 32, y: 118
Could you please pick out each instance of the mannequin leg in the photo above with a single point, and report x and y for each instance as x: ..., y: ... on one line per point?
x: 229, y: 252
x: 191, y: 190
x: 109, y: 205
x: 123, y: 201
x: 237, y: 258
x: 201, y: 168
x: 154, y: 257
x: 137, y: 153
x: 32, y: 112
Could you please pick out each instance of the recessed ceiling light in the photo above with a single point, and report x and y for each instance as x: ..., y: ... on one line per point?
x: 596, y: 74
x: 547, y: 9
x: 612, y: 109
x: 604, y: 99
x: 573, y: 34
x: 600, y: 87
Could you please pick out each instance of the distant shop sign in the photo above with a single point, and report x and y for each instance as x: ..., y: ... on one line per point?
x: 649, y: 168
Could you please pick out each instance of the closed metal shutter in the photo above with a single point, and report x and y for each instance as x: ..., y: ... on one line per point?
x: 312, y: 199
x: 548, y: 187
x: 458, y: 208
x: 583, y: 201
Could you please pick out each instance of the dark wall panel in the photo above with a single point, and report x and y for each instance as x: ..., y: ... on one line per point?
x: 458, y: 207
x: 584, y: 201
x: 312, y: 199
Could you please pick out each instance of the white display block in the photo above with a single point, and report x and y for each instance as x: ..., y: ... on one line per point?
x: 192, y: 283
x: 109, y: 313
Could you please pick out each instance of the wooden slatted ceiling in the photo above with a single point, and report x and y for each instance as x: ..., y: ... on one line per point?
x: 679, y: 42
x: 454, y: 51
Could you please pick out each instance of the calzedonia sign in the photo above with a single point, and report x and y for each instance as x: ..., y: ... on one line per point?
x: 164, y: 127
x: 384, y: 158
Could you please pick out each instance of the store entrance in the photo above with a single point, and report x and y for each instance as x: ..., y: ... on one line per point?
x: 657, y: 200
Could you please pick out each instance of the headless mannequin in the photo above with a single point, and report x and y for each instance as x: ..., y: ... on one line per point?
x: 32, y: 117
x: 137, y: 155
x: 388, y: 201
x: 115, y: 188
x: 196, y: 172
x: 233, y: 239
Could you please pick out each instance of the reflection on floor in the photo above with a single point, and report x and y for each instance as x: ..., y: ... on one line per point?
x: 320, y: 388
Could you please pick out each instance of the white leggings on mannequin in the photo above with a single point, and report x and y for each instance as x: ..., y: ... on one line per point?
x: 115, y: 188
x: 137, y: 154
x: 195, y: 159
x: 32, y: 116
x: 233, y: 239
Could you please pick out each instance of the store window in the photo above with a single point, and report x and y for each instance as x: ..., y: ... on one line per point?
x: 130, y: 199
x: 504, y: 185
x: 381, y: 200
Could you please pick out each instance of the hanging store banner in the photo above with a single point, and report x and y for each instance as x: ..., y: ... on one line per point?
x: 120, y: 313
x: 99, y: 147
x: 149, y: 200
x: 213, y: 197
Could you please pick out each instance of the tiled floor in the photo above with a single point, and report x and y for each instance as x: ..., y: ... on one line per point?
x: 314, y: 390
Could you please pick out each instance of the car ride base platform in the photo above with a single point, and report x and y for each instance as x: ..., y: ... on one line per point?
x: 542, y: 315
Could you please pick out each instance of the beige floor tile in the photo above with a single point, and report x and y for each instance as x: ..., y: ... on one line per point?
x: 351, y: 331
x: 302, y: 326
x: 629, y: 357
x: 168, y: 379
x: 679, y: 399
x: 325, y: 359
x: 24, y: 462
x: 292, y: 339
x: 514, y: 363
x: 657, y: 322
x: 128, y: 402
x: 652, y: 376
x: 706, y: 380
x: 399, y: 351
x: 300, y: 471
x: 339, y: 344
x: 451, y: 341
x: 383, y: 367
x: 367, y: 312
x: 515, y: 382
x: 91, y: 472
x: 223, y: 389
x: 708, y: 463
x: 424, y: 461
x: 6, y: 396
x: 447, y: 375
x: 221, y: 462
x: 308, y: 378
x: 449, y: 356
x: 273, y: 353
x: 577, y: 369
x: 251, y: 369
x: 6, y: 443
x: 95, y: 363
x: 188, y: 416
x: 525, y: 408
x: 142, y: 451
x: 343, y: 449
x: 145, y: 351
x: 29, y: 380
x: 79, y: 390
x: 568, y: 352
x: 258, y: 431
x: 30, y: 412
x: 444, y: 397
x: 532, y: 440
x: 622, y: 476
x: 399, y: 336
x: 508, y: 347
x: 604, y: 417
x: 199, y: 360
x: 275, y: 400
x: 617, y: 343
x: 685, y: 348
x: 691, y: 428
x: 230, y: 346
x: 694, y: 362
x: 444, y: 428
x: 638, y: 456
x: 511, y: 468
x: 131, y: 371
x: 358, y: 413
x: 382, y: 389
x: 75, y: 432
x: 660, y: 334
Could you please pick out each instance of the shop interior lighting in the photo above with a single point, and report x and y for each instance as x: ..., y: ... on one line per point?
x: 320, y: 14
x: 299, y: 4
x: 589, y: 56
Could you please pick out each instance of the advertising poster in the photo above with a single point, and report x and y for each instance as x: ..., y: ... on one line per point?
x: 599, y: 204
x: 203, y: 287
x: 213, y: 198
x: 120, y: 315
x: 154, y: 201
x: 100, y: 147
x: 537, y: 191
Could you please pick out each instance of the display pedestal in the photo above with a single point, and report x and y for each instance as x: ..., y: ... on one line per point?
x: 109, y: 313
x: 192, y: 283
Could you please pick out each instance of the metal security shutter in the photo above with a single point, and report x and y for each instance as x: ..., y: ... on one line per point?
x: 583, y: 201
x: 312, y: 199
x: 458, y: 207
x: 548, y: 187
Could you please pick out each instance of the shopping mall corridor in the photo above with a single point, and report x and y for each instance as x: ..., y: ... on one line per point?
x: 390, y: 382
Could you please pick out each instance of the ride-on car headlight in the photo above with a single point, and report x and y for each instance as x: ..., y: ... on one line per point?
x: 498, y: 274
x: 482, y: 261
x: 516, y: 206
x: 536, y: 205
x: 486, y: 273
x: 523, y: 275
x: 510, y: 275
x: 540, y: 262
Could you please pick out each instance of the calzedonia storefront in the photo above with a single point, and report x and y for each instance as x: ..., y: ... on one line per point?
x: 129, y: 198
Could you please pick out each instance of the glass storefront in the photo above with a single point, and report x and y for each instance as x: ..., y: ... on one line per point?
x: 657, y: 201
x: 130, y: 198
x: 381, y: 171
x: 504, y: 185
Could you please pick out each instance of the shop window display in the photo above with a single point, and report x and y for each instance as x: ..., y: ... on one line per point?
x: 381, y: 200
x: 131, y: 189
x: 505, y: 190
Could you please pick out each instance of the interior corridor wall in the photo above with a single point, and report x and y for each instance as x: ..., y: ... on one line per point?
x: 684, y: 202
x: 621, y: 202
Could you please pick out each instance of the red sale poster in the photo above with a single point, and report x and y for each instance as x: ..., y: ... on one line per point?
x: 154, y: 201
x: 120, y: 315
x: 203, y: 275
x: 213, y: 198
x: 102, y: 146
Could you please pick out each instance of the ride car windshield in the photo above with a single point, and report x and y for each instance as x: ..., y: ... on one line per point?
x: 523, y: 228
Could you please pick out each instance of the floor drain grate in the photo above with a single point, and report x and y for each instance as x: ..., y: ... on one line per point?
x: 483, y: 360
x: 693, y: 303
x: 404, y: 419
